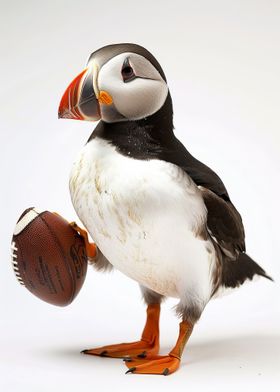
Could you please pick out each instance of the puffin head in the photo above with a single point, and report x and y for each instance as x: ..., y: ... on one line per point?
x: 121, y: 82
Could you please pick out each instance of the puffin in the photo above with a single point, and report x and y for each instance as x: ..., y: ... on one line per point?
x: 154, y: 211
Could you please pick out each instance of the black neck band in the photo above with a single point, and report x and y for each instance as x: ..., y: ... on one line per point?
x: 141, y: 139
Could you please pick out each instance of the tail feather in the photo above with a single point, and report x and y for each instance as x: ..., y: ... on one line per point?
x: 235, y: 273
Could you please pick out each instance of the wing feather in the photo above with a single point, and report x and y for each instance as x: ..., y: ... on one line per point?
x: 224, y: 222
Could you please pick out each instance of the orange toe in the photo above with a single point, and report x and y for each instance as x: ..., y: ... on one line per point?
x: 164, y: 365
x: 90, y: 246
x: 140, y: 348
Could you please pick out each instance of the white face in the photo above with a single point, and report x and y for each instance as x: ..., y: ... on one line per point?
x: 136, y: 87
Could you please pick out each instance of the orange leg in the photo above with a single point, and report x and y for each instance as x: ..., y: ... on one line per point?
x: 146, y: 347
x: 165, y: 364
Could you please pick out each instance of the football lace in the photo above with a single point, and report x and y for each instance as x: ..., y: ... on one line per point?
x: 15, y: 263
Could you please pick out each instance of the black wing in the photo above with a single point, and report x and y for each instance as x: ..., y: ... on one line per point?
x: 223, y: 220
x: 224, y: 223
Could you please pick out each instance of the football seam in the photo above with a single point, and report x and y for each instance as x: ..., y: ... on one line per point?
x: 62, y: 253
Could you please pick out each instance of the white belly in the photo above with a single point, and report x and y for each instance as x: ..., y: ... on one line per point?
x: 145, y: 217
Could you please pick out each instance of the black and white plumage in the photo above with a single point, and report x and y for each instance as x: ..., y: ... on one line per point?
x: 156, y: 213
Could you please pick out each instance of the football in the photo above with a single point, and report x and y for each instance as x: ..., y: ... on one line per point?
x: 49, y: 256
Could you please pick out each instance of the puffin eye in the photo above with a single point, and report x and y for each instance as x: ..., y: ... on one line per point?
x: 127, y: 72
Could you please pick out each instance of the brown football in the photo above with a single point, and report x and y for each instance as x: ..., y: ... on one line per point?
x: 48, y: 256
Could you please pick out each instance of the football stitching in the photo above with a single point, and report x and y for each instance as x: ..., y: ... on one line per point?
x: 14, y: 256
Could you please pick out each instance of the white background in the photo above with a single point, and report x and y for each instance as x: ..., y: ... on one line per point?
x: 222, y: 62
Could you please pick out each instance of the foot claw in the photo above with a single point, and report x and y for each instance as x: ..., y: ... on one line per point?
x: 130, y: 370
x: 165, y: 372
x: 142, y: 355
x: 83, y: 351
x: 127, y: 359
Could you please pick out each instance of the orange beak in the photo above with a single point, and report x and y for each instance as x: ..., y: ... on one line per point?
x: 79, y: 101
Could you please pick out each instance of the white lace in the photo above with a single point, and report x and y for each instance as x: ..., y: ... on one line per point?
x: 15, y: 263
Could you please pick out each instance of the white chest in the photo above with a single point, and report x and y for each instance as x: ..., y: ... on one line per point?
x: 143, y: 215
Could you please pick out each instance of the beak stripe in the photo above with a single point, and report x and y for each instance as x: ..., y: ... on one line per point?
x: 74, y: 108
x: 79, y: 101
x: 68, y: 107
